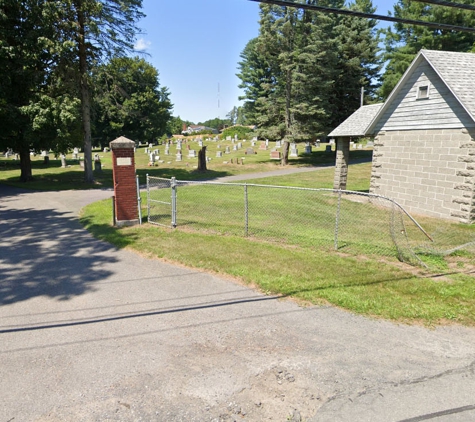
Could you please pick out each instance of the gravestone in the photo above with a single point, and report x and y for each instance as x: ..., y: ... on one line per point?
x: 228, y: 138
x: 97, y: 163
x: 178, y: 156
x: 235, y: 147
x: 200, y: 143
x: 263, y: 145
x: 239, y: 145
x: 227, y: 151
x: 293, y: 150
x: 328, y: 148
x: 250, y: 151
x: 63, y: 161
x: 278, y: 144
x: 308, y: 148
x: 178, y: 145
x: 253, y: 143
x: 219, y: 154
x: 167, y: 150
x: 191, y: 153
x: 275, y: 155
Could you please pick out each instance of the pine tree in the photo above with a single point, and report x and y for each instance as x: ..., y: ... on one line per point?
x: 358, y: 63
x: 405, y: 41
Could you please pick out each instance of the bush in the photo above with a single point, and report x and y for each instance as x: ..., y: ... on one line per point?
x: 242, y: 132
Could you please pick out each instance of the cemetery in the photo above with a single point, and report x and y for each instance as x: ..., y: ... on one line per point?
x: 176, y: 157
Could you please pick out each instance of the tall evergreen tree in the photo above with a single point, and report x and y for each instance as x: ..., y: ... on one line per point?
x: 303, y: 74
x: 300, y: 58
x: 254, y: 73
x: 358, y: 63
x: 405, y: 41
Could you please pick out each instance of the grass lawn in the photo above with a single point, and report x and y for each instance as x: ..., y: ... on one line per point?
x: 369, y: 284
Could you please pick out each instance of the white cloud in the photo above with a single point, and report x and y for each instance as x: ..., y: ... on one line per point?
x: 142, y: 45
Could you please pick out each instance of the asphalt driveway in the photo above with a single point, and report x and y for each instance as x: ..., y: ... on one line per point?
x: 92, y: 333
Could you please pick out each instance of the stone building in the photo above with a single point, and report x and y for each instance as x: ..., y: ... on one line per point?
x: 424, y: 134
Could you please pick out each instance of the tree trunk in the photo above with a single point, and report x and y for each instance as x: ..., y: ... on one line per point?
x: 85, y: 95
x: 202, y: 159
x: 285, y: 153
x: 25, y: 165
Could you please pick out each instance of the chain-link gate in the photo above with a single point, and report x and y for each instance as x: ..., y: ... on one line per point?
x: 160, y: 201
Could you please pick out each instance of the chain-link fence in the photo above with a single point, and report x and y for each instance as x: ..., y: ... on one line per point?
x: 346, y: 221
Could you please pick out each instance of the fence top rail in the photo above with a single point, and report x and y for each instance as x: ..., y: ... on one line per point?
x: 339, y: 191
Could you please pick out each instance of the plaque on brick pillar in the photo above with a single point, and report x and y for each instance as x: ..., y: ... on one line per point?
x: 125, y: 185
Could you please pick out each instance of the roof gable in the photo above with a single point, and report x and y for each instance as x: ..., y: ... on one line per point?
x: 455, y: 70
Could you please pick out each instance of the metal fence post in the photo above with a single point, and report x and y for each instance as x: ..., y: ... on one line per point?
x: 246, y: 211
x: 113, y: 211
x: 139, y: 199
x: 337, y: 219
x: 174, y: 189
x: 148, y: 197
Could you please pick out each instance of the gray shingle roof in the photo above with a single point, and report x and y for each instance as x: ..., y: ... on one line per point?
x: 358, y: 122
x: 457, y: 70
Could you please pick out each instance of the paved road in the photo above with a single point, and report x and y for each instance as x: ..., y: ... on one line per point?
x: 92, y: 333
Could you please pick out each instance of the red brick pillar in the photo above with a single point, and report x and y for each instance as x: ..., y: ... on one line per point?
x: 125, y: 185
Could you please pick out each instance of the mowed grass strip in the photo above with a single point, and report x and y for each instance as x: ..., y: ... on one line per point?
x: 363, y: 285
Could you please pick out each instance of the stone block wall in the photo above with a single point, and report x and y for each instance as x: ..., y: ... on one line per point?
x: 428, y: 172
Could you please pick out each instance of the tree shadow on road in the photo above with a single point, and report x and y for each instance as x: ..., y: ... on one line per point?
x: 47, y: 253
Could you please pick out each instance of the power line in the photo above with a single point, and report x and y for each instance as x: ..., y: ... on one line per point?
x: 333, y: 10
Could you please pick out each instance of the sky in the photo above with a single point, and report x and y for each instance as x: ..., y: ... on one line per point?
x: 195, y: 46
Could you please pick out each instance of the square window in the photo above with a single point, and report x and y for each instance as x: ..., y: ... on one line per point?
x: 423, y: 92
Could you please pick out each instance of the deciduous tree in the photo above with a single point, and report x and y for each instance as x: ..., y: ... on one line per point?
x: 129, y: 101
